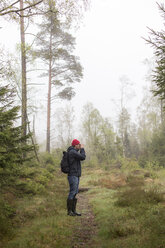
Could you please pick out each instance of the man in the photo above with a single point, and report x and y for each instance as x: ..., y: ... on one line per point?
x: 76, y: 154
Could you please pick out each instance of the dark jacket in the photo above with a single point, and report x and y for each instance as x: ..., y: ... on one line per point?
x: 74, y: 161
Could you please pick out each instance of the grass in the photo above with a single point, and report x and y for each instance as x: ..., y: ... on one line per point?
x: 43, y: 232
x: 129, y: 208
x: 128, y: 204
x: 41, y: 220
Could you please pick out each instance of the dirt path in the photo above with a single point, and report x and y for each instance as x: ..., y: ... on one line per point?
x: 85, y: 226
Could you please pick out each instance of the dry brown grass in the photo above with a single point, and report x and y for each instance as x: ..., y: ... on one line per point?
x: 113, y: 181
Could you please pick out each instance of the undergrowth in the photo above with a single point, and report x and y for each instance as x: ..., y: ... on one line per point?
x: 33, y: 209
x: 128, y: 203
x: 130, y: 214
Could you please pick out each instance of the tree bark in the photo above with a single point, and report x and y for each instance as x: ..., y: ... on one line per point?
x: 49, y: 95
x: 33, y: 142
x: 162, y: 114
x: 23, y: 63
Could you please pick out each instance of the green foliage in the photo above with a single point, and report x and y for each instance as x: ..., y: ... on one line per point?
x: 51, y: 161
x: 92, y: 162
x: 157, y: 42
x: 158, y: 147
x: 127, y: 164
x: 28, y: 180
x: 55, y: 45
x: 124, y: 123
x: 29, y: 186
x: 28, y: 172
x: 33, y: 177
x: 20, y: 173
x: 12, y: 145
x: 41, y: 219
x: 100, y: 137
x: 48, y: 159
x: 6, y: 212
x: 143, y: 143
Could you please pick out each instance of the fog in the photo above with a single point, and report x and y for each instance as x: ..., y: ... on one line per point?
x: 110, y: 47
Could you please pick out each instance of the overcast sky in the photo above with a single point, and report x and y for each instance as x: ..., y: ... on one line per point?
x: 110, y: 45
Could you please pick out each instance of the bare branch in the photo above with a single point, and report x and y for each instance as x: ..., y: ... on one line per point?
x: 18, y: 10
x: 36, y: 70
x: 9, y: 6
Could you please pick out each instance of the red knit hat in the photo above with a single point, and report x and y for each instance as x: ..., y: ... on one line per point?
x: 75, y: 142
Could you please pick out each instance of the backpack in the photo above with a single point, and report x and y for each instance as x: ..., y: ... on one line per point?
x: 65, y: 162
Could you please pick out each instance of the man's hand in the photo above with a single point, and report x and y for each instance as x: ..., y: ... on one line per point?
x: 81, y: 146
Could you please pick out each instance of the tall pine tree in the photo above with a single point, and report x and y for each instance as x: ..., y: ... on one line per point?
x: 55, y: 48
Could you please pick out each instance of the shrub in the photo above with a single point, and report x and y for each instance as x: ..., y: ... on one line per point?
x: 120, y: 227
x: 130, y: 164
x: 135, y: 194
x: 50, y: 168
x: 28, y: 172
x: 92, y: 162
x: 155, y: 229
x: 6, y: 212
x: 49, y: 159
x: 29, y: 186
x: 42, y: 179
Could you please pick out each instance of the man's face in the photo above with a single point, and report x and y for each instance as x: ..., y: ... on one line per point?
x: 78, y: 146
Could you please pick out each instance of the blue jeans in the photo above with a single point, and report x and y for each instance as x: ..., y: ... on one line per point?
x: 74, y: 184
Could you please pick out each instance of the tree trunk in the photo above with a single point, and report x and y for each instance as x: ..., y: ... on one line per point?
x: 162, y: 117
x: 33, y: 142
x: 49, y: 95
x: 23, y: 61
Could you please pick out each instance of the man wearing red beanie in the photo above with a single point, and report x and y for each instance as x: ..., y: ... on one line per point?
x: 76, y: 155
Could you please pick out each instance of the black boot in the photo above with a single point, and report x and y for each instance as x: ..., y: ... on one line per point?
x: 74, y: 207
x: 70, y: 203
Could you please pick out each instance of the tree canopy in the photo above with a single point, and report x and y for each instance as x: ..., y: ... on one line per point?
x: 157, y: 41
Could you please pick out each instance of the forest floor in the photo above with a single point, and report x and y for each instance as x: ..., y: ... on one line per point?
x: 85, y: 230
x: 41, y: 221
x: 120, y: 208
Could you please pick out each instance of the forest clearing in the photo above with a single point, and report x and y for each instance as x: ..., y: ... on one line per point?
x: 109, y: 65
x: 120, y: 208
